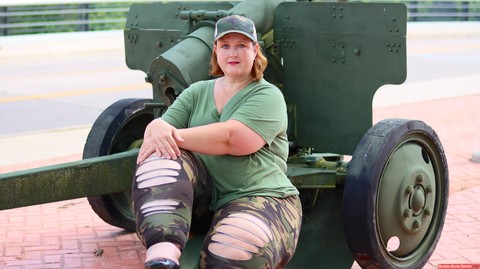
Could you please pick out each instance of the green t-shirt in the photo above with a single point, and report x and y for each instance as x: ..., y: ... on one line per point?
x: 260, y: 106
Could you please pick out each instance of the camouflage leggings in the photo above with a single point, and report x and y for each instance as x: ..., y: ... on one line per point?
x: 170, y: 201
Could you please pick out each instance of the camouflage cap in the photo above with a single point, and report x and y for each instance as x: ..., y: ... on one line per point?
x: 235, y: 24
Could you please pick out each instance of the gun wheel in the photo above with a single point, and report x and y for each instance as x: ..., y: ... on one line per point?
x: 396, y: 194
x: 120, y: 127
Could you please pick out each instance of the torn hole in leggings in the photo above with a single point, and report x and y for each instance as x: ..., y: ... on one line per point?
x: 250, y: 223
x: 239, y: 236
x: 156, y: 181
x: 234, y: 242
x: 229, y: 252
x: 157, y: 164
x: 156, y: 213
x: 245, y: 235
x: 158, y: 206
x: 157, y: 173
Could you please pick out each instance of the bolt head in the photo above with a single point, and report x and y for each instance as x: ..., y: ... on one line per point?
x: 409, y: 190
x: 428, y: 189
x: 428, y: 211
x: 407, y: 213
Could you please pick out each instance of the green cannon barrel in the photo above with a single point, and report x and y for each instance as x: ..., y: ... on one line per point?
x: 180, y: 64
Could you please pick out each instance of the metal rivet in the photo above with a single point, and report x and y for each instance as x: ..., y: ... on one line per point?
x: 407, y: 213
x: 428, y: 189
x: 409, y: 190
x: 356, y: 51
x: 428, y: 212
x: 420, y: 178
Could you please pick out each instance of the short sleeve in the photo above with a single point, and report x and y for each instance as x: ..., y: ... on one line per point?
x: 264, y: 111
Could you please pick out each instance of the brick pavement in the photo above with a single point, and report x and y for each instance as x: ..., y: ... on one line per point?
x: 68, y: 234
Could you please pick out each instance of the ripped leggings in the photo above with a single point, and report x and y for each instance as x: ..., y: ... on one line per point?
x: 170, y: 201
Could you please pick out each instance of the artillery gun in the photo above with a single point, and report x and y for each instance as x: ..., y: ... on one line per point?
x: 383, y: 207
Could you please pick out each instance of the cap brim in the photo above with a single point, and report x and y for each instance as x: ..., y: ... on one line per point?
x: 235, y: 31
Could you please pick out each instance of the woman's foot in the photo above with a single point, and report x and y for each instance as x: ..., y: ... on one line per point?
x: 161, y: 264
x: 163, y: 255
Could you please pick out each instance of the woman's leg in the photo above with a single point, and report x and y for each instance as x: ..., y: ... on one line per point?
x: 163, y: 192
x: 253, y: 232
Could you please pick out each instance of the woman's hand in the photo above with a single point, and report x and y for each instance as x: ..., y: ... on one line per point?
x: 161, y: 138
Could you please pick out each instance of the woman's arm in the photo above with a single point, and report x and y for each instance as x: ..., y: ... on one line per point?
x: 230, y: 137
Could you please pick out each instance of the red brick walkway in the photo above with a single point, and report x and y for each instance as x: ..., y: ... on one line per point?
x: 68, y: 234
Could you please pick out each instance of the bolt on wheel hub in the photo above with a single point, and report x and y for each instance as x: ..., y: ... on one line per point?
x: 418, y: 199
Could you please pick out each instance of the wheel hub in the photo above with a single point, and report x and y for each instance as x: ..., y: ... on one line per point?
x: 406, y: 199
x: 417, y: 201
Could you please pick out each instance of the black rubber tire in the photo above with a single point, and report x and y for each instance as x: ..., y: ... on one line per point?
x: 390, y: 148
x: 114, y: 131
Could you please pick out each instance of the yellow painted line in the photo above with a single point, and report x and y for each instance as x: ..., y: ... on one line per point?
x: 53, y: 95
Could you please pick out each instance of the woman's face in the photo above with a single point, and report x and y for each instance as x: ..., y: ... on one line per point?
x: 235, y: 54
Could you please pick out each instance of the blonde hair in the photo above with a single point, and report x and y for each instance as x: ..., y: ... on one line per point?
x: 259, y: 65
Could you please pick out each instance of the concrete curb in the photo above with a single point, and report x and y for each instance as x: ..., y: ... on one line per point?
x: 431, y: 30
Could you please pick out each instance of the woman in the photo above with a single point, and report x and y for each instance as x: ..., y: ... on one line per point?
x: 221, y: 147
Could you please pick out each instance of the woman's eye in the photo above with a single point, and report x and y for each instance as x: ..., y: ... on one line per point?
x: 241, y: 46
x: 225, y: 46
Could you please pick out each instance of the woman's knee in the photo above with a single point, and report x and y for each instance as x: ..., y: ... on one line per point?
x: 240, y: 236
x: 157, y: 171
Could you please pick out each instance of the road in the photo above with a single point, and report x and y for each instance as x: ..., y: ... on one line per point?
x: 60, y: 88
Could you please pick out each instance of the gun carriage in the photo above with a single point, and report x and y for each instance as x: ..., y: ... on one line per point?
x: 375, y: 194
